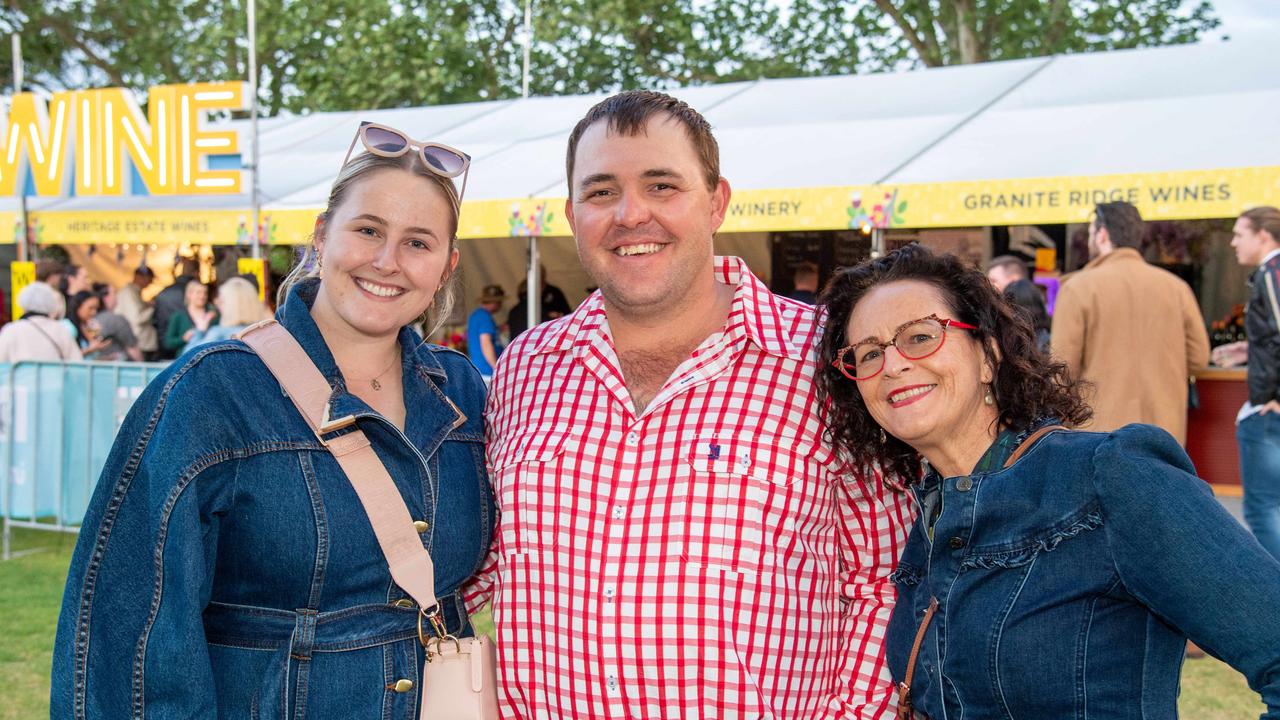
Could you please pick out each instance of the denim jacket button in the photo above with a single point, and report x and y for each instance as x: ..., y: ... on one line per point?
x: 964, y: 484
x: 956, y: 543
x: 404, y: 603
x: 403, y: 685
x: 421, y: 526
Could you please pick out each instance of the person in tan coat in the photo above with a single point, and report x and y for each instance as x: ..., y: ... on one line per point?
x: 1132, y: 329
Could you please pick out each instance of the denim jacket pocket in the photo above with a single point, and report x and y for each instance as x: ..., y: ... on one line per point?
x: 734, y: 502
x: 1023, y: 551
x: 526, y: 467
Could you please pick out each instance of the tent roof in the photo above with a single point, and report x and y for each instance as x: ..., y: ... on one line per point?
x: 1202, y: 106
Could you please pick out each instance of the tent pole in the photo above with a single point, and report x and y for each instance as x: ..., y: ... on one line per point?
x: 24, y: 252
x: 533, y: 284
x: 253, y: 127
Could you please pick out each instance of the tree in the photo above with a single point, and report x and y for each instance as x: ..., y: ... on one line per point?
x: 348, y: 54
x: 953, y: 32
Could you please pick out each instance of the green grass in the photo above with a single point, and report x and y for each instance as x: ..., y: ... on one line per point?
x: 31, y: 593
x: 30, y: 596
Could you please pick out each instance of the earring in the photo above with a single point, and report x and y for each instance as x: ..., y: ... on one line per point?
x: 989, y: 398
x: 883, y: 438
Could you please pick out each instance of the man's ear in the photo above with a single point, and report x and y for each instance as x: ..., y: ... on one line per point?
x: 720, y: 203
x: 568, y: 214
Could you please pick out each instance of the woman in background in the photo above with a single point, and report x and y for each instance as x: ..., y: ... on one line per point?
x: 39, y: 334
x: 196, y: 315
x: 238, y: 307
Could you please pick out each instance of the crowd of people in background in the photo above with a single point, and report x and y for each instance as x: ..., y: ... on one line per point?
x: 68, y: 316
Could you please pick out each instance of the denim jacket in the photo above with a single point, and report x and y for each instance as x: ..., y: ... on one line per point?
x: 225, y: 567
x: 1068, y: 584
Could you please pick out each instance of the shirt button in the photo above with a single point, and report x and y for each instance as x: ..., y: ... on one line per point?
x: 403, y: 685
x: 956, y: 543
x: 608, y: 593
x: 421, y: 526
x: 619, y: 512
x: 964, y: 484
x: 633, y: 438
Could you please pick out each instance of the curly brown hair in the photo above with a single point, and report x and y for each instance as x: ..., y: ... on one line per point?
x: 1029, y: 385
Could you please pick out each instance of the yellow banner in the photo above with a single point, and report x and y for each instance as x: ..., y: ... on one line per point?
x: 257, y: 268
x: 1159, y: 196
x: 146, y: 227
x: 21, y: 274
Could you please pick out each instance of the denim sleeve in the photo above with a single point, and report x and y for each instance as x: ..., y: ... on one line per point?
x: 1181, y: 554
x: 130, y: 639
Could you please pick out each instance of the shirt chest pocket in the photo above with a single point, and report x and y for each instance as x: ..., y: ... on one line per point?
x: 527, y: 469
x: 736, y: 503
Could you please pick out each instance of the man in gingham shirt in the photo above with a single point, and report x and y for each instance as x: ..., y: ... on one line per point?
x: 677, y: 540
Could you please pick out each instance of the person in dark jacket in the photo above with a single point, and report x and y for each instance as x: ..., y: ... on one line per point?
x: 1049, y: 570
x: 1026, y: 296
x: 1257, y: 243
x: 171, y: 301
x: 226, y: 567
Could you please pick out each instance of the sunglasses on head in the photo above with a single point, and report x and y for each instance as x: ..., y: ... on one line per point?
x: 388, y: 142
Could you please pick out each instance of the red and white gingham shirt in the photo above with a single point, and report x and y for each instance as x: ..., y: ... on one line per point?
x: 711, y: 558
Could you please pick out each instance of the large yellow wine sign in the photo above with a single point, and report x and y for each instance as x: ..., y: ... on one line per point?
x: 82, y: 138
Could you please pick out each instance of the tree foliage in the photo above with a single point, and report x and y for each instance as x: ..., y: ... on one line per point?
x: 345, y: 54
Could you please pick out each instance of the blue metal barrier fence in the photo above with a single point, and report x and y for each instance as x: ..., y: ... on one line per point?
x: 57, y: 424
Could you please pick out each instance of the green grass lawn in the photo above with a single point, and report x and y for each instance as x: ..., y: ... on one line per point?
x: 31, y: 590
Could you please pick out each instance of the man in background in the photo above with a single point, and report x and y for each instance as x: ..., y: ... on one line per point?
x: 482, y: 331
x: 554, y: 305
x: 139, y: 312
x: 1131, y: 329
x: 806, y: 284
x: 1256, y: 240
x: 1006, y: 269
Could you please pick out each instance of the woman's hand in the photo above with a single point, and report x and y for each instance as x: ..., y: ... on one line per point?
x: 201, y: 318
x: 96, y: 345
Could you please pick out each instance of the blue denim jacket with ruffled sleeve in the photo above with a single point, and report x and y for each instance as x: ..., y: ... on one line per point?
x: 225, y: 567
x: 1068, y: 583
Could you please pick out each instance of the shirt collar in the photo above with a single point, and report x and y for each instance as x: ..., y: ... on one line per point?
x: 1126, y: 253
x: 768, y: 321
x: 1270, y: 256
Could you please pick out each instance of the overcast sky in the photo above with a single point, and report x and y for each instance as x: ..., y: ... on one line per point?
x: 1247, y: 18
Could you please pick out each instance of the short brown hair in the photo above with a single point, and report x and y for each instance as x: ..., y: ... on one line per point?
x: 1264, y: 217
x: 628, y: 113
x: 1014, y: 264
x: 1122, y: 221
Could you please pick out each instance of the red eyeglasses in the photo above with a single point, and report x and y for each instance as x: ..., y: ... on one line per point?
x: 916, y: 340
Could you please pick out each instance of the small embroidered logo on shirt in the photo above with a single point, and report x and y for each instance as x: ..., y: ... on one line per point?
x: 713, y: 451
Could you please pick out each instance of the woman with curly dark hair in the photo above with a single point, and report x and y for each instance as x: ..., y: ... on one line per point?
x: 1049, y: 570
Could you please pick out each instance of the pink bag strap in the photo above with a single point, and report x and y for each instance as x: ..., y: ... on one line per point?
x: 410, y: 563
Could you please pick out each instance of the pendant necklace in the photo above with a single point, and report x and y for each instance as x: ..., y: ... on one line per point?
x: 373, y: 381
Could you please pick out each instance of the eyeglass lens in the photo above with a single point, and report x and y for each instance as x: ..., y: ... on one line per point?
x: 917, y: 340
x: 383, y: 140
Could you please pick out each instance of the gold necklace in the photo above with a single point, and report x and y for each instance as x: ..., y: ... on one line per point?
x: 373, y: 381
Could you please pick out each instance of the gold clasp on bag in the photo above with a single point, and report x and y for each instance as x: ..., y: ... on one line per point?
x: 441, y: 632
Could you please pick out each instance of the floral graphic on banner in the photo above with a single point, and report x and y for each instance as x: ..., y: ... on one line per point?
x: 885, y: 214
x: 266, y: 230
x: 537, y: 223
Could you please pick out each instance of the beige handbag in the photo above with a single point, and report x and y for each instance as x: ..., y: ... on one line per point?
x: 459, y: 681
